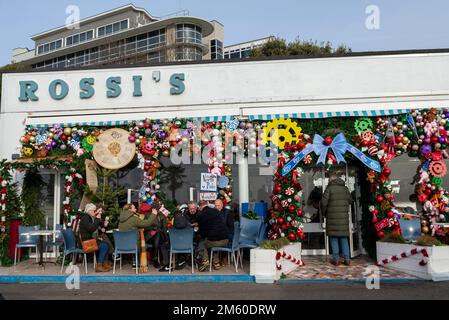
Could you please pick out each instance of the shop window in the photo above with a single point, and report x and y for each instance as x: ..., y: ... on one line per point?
x: 403, y: 170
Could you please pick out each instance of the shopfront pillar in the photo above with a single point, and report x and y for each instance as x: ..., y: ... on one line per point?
x: 243, y: 181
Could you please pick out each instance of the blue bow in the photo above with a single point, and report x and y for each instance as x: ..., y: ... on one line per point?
x: 338, y: 146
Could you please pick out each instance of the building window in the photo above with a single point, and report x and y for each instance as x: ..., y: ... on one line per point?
x: 156, y: 57
x: 79, y: 38
x: 188, y: 54
x: 216, y: 49
x: 48, y: 47
x: 189, y: 33
x: 112, y: 28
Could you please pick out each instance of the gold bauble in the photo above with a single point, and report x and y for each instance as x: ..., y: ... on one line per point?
x: 425, y: 229
x: 51, y: 135
x: 32, y: 139
x: 67, y: 131
x: 166, y: 153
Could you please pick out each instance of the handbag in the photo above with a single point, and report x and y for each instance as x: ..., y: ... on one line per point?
x: 89, y: 246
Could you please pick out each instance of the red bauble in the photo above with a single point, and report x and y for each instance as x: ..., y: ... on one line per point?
x: 434, y: 139
x: 379, y: 199
x: 301, y: 145
x: 63, y: 137
x: 375, y: 212
x: 286, y: 226
x: 291, y: 236
x: 328, y: 140
x: 295, y: 147
x: 147, y: 167
x: 147, y: 126
x: 292, y: 208
x: 374, y: 220
x: 398, y: 139
x: 299, y: 212
x: 277, y: 189
x: 390, y: 214
x: 281, y: 220
x: 428, y: 191
x: 386, y: 171
x: 380, y: 234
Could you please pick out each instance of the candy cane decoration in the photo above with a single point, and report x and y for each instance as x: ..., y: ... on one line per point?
x: 289, y: 257
x: 3, y: 191
x: 406, y: 254
x: 68, y: 191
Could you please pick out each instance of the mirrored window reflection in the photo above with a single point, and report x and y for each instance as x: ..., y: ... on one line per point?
x: 260, y: 183
x: 48, y: 199
x: 403, y: 170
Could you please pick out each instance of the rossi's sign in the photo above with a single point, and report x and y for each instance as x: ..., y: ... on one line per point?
x: 59, y: 89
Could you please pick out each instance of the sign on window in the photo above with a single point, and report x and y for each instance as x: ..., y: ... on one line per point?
x: 208, y: 182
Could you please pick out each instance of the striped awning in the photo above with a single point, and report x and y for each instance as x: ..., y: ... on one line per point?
x: 321, y: 115
x: 124, y: 122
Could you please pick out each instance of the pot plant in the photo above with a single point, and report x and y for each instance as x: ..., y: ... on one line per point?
x: 270, y: 260
x: 430, y: 264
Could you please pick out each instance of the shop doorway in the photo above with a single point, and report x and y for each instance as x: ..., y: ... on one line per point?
x: 314, y: 182
x: 51, y: 201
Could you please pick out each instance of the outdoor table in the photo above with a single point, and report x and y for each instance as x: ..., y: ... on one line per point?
x: 41, y: 234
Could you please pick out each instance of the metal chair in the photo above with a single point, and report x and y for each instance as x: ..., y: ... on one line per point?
x: 27, y: 241
x: 231, y: 249
x: 125, y: 243
x: 58, y: 240
x: 181, y: 241
x: 71, y: 248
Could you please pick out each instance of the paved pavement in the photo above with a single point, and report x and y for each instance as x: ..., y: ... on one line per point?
x: 228, y: 291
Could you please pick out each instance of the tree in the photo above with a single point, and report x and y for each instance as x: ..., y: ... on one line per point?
x: 279, y: 47
x: 31, y: 198
x: 173, y: 175
x: 106, y: 196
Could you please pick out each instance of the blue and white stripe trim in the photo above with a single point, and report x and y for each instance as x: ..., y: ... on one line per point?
x: 126, y: 122
x: 322, y: 115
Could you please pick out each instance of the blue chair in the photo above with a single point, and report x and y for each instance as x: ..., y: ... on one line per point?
x: 251, y: 234
x: 27, y: 241
x: 70, y: 248
x: 233, y: 247
x: 181, y: 241
x: 410, y: 229
x: 125, y: 243
x: 58, y: 240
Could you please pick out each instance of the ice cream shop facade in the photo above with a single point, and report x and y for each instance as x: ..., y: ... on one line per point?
x: 243, y: 131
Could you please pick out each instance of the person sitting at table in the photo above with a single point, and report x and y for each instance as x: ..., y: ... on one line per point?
x: 89, y: 229
x: 131, y: 220
x: 213, y: 230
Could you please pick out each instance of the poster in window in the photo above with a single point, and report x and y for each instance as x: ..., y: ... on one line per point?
x: 208, y: 182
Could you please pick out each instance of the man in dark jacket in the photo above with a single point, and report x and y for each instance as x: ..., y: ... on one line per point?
x: 335, y: 207
x: 214, y: 232
x: 227, y: 216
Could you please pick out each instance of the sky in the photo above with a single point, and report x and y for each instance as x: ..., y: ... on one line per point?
x: 402, y: 24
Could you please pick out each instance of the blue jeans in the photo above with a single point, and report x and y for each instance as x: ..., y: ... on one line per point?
x: 338, y: 243
x: 103, y: 251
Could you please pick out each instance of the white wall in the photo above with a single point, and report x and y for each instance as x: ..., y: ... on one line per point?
x: 277, y: 86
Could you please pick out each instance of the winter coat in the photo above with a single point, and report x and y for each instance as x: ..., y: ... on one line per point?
x: 130, y: 221
x: 335, y: 207
x: 212, y: 225
x: 88, y: 227
x: 228, y: 218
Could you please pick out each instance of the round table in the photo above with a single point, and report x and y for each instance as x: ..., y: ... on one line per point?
x: 41, y: 234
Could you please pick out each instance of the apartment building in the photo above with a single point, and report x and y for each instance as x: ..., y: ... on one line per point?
x: 126, y: 35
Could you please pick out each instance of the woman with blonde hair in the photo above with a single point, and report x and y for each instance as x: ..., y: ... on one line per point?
x: 89, y: 226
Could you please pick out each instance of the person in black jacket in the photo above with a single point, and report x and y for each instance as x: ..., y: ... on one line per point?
x: 214, y: 232
x: 90, y: 224
x: 227, y: 216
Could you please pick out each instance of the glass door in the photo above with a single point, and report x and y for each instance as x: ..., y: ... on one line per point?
x: 50, y: 202
x: 315, y: 241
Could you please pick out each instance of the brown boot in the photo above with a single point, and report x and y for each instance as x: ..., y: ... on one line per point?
x: 347, y: 262
x: 101, y: 268
x: 107, y: 263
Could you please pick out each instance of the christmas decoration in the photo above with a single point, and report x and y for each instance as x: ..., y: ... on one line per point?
x: 406, y: 254
x: 289, y: 257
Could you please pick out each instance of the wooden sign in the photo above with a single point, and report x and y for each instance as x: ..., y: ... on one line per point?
x: 112, y: 150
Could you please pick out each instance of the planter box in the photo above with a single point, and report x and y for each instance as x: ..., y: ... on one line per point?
x: 263, y: 263
x: 437, y: 268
